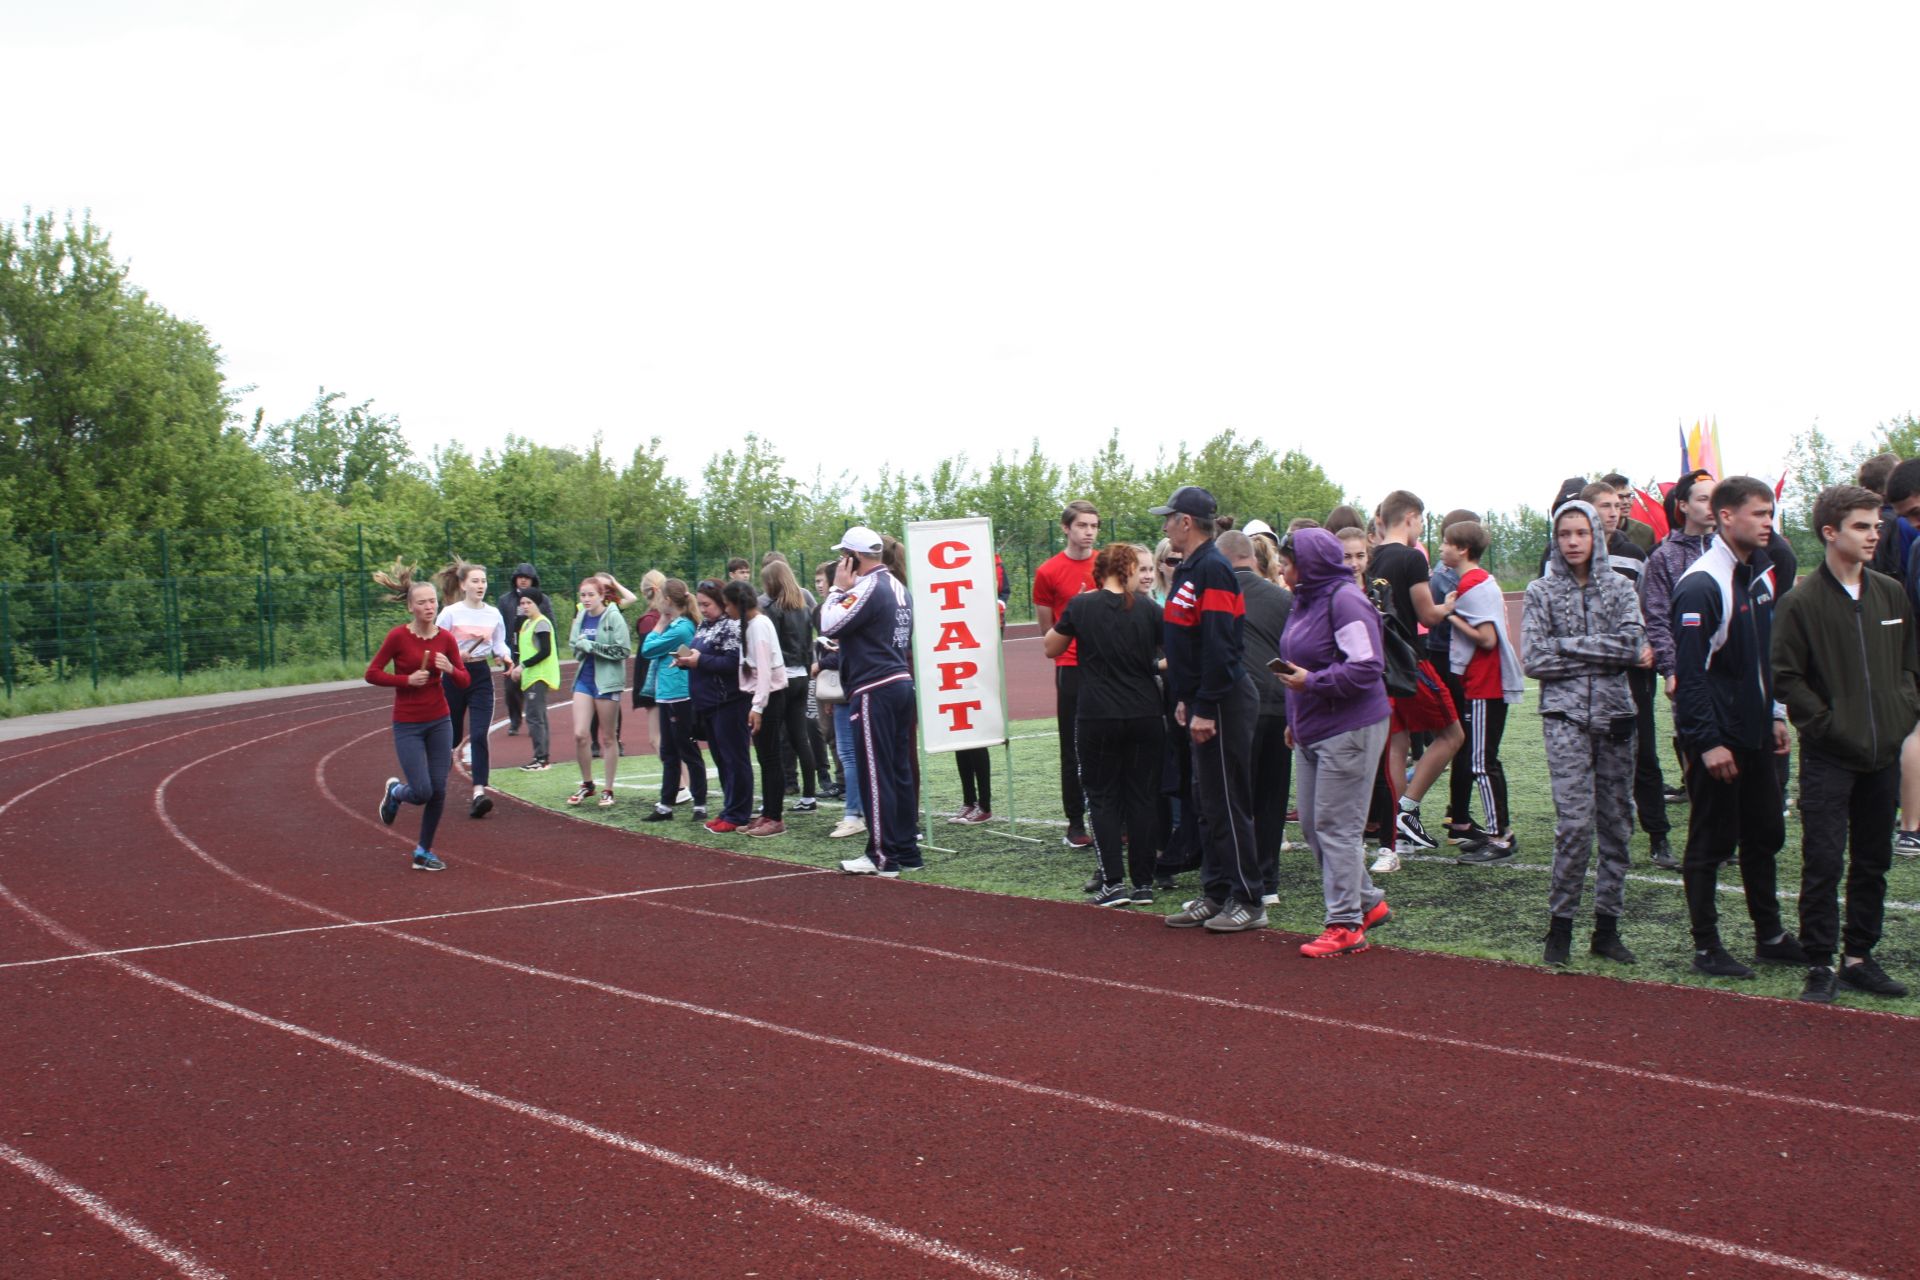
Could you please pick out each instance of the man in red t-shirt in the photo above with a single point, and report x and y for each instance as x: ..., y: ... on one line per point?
x: 1059, y: 580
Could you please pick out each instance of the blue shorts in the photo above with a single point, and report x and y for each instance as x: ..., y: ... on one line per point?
x: 583, y: 683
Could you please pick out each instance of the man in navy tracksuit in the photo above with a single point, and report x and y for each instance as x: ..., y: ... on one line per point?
x: 1203, y: 635
x: 871, y: 616
x: 1731, y: 728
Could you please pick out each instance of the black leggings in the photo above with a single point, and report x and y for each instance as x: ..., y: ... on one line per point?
x: 766, y: 749
x: 1119, y: 763
x: 677, y: 749
x: 976, y: 776
x: 790, y: 728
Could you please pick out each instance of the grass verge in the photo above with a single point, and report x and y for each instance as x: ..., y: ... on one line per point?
x: 72, y: 695
x: 1497, y: 913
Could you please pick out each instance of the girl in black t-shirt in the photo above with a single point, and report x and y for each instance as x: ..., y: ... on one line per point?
x: 1118, y: 730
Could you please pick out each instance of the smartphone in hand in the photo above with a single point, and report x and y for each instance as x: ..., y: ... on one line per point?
x: 1281, y: 667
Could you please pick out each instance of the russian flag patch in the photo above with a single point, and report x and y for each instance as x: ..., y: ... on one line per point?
x: 1689, y: 619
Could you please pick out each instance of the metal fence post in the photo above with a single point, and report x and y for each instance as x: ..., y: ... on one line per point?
x: 343, y: 617
x: 366, y: 636
x: 6, y: 636
x: 93, y: 643
x: 260, y: 622
x: 59, y: 626
x: 170, y: 608
x: 266, y: 580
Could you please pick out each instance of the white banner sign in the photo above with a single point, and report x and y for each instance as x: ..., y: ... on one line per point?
x: 956, y: 634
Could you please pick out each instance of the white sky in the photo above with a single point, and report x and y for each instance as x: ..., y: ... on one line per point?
x: 1465, y: 249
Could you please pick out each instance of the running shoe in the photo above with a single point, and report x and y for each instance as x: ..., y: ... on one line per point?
x: 1907, y: 844
x: 963, y: 817
x: 1337, y: 940
x: 1660, y: 854
x: 1236, y: 917
x: 1076, y: 839
x: 1467, y: 833
x: 424, y: 861
x: 1714, y: 962
x: 389, y: 801
x: 535, y: 766
x: 1820, y: 986
x: 1408, y: 825
x: 865, y: 866
x: 581, y: 794
x: 805, y: 804
x: 684, y: 796
x: 1869, y: 977
x: 699, y: 813
x: 978, y: 816
x: 1388, y: 861
x: 1785, y: 951
x: 1489, y: 853
x: 483, y: 805
x: 848, y: 827
x: 1113, y: 895
x: 661, y: 813
x: 1142, y: 897
x: 1094, y: 885
x: 606, y: 799
x: 1193, y: 915
x: 1379, y: 915
x: 721, y: 827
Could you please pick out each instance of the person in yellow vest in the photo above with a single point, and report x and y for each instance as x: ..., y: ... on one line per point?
x: 537, y: 671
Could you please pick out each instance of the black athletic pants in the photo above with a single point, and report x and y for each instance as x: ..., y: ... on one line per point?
x: 677, y: 752
x: 1846, y: 823
x: 766, y: 749
x: 1744, y: 814
x: 1066, y: 713
x: 1649, y: 785
x: 1223, y: 793
x: 1119, y: 767
x: 1272, y: 790
x: 976, y: 776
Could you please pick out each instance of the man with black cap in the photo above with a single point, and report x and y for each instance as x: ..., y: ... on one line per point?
x: 1214, y: 698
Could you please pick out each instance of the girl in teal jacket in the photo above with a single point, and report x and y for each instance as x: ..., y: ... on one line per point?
x: 674, y: 631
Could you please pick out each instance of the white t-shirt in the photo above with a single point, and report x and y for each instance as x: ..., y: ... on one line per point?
x: 479, y: 630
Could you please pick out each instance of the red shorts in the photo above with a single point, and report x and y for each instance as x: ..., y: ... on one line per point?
x: 1429, y: 709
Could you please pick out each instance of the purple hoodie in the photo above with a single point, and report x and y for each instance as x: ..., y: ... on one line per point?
x: 1333, y: 634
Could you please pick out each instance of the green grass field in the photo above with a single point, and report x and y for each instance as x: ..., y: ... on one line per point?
x: 1495, y: 913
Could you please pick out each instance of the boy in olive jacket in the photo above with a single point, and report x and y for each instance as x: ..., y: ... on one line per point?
x: 1844, y: 663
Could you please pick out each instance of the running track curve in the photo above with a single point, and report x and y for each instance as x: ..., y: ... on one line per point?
x: 245, y: 1040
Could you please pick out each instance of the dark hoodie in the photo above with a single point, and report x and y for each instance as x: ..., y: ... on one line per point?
x: 1333, y: 634
x: 508, y: 602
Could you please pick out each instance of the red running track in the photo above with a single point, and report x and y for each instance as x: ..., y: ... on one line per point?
x: 587, y: 1053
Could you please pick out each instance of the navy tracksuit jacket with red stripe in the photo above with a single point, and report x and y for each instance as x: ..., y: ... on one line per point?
x: 1205, y: 625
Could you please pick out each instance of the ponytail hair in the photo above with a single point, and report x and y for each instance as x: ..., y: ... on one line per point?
x: 450, y: 578
x: 1119, y: 560
x: 678, y: 598
x: 399, y: 581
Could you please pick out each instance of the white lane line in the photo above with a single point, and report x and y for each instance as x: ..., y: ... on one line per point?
x: 422, y: 919
x: 1292, y: 1150
x: 100, y: 1211
x: 104, y: 733
x: 1320, y: 1020
x: 100, y: 760
x: 890, y: 1233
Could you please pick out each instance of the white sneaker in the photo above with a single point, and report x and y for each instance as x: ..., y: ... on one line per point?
x: 466, y: 754
x: 848, y: 827
x: 684, y: 796
x: 1387, y: 861
x: 865, y: 866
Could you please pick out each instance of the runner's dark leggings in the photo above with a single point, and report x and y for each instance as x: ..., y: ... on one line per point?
x: 425, y: 750
x: 976, y: 776
x: 471, y: 712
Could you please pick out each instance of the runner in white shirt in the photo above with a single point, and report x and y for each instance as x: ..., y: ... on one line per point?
x: 481, y: 634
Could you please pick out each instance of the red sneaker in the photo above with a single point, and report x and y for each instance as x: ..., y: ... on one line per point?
x: 1381, y: 914
x: 1338, y: 940
x: 721, y: 827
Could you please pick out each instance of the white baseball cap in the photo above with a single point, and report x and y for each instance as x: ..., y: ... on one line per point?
x: 1254, y: 528
x: 861, y: 541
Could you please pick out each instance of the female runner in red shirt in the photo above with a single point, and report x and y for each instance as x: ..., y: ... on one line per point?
x: 419, y: 652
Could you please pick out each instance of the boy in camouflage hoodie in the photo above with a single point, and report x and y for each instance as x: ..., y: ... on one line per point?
x: 1580, y: 633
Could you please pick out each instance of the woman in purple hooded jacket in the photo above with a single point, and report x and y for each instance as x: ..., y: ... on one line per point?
x: 1337, y: 719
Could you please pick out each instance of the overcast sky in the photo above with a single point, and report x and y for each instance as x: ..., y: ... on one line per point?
x: 1465, y: 249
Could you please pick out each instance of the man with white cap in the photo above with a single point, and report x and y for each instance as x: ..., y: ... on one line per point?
x: 871, y: 617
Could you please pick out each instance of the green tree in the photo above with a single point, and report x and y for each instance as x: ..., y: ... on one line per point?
x: 113, y: 414
x: 1249, y: 480
x: 345, y: 452
x: 1900, y: 435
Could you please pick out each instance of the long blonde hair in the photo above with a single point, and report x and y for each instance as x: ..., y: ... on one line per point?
x: 449, y: 579
x: 776, y: 577
x: 398, y: 581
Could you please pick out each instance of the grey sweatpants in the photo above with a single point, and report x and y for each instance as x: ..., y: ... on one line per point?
x: 534, y: 708
x: 1592, y: 778
x: 1333, y: 780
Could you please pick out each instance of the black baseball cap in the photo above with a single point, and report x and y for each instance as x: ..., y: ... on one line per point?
x: 1188, y: 500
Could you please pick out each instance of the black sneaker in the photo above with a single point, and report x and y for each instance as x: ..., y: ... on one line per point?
x: 1113, y: 895
x: 1236, y: 917
x: 1660, y: 853
x: 1820, y: 986
x: 1609, y: 947
x: 1869, y: 977
x: 1785, y: 951
x: 1907, y: 844
x: 661, y: 813
x: 482, y: 806
x: 389, y: 802
x: 1470, y: 833
x: 1407, y: 825
x: 1142, y: 897
x: 806, y: 804
x: 1714, y: 962
x: 1076, y: 839
x: 1489, y: 853
x: 423, y: 861
x: 1675, y: 795
x: 699, y: 813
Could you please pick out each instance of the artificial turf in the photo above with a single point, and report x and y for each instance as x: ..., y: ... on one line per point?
x: 1496, y: 912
